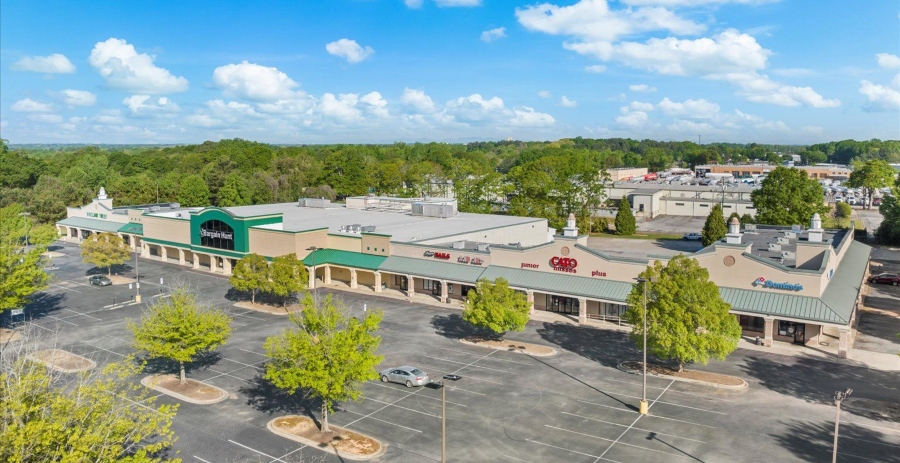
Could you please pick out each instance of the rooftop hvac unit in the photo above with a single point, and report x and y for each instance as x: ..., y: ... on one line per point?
x: 790, y: 235
x: 174, y: 205
x: 482, y: 246
x: 788, y: 255
x: 320, y: 203
x: 368, y: 228
x: 154, y: 208
x: 774, y: 247
x: 783, y: 240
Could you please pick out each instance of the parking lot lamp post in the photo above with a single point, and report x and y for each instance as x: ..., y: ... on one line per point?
x: 645, y: 406
x: 444, y: 414
x: 839, y: 396
x: 137, y: 277
x: 25, y: 216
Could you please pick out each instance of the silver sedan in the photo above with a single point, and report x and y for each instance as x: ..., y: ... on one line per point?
x: 410, y: 376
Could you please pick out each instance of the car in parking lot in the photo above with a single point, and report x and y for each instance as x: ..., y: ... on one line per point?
x: 692, y: 237
x: 410, y: 376
x: 885, y: 278
x: 99, y: 280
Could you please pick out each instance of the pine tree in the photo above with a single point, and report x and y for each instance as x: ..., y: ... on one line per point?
x: 625, y: 223
x: 714, y: 229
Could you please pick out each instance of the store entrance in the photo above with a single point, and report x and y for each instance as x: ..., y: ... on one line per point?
x: 796, y: 330
x: 562, y: 304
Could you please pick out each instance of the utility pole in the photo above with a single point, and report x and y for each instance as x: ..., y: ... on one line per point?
x: 839, y: 396
x: 443, y: 422
x: 25, y: 216
x: 137, y: 276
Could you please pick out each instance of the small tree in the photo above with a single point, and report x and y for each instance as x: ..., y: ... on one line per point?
x: 496, y: 307
x: 714, y: 229
x: 105, y: 250
x: 251, y: 273
x: 842, y: 210
x: 687, y: 320
x: 625, y: 223
x: 788, y: 197
x: 287, y: 276
x: 329, y: 353
x: 871, y: 175
x: 733, y: 216
x: 746, y: 218
x: 21, y: 269
x: 178, y: 329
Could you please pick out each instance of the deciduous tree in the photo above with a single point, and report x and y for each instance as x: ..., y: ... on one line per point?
x: 871, y: 175
x: 287, y: 276
x: 788, y: 197
x: 105, y: 250
x: 21, y: 269
x: 687, y: 320
x: 714, y: 229
x: 193, y: 192
x: 496, y: 307
x: 251, y: 273
x: 179, y: 329
x: 625, y: 223
x: 235, y: 192
x: 329, y: 353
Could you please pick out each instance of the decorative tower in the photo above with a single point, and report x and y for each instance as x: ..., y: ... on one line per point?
x: 571, y: 229
x: 815, y: 229
x: 734, y: 231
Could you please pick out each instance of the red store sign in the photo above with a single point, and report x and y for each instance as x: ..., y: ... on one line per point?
x: 441, y: 255
x: 564, y: 264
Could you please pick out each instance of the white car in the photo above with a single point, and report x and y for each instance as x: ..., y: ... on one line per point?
x: 851, y: 201
x: 692, y: 237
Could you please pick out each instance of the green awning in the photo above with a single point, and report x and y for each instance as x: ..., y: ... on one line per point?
x: 344, y: 258
x: 462, y: 273
x: 132, y: 228
x: 567, y: 284
x: 96, y: 225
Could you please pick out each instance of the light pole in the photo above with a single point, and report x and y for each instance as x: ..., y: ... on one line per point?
x: 839, y: 396
x: 444, y: 415
x: 645, y: 406
x: 25, y: 215
x: 137, y: 276
x: 315, y: 289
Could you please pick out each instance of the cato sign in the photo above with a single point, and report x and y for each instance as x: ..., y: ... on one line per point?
x: 564, y: 264
x: 771, y: 284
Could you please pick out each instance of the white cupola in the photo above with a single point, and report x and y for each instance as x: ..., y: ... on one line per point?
x: 102, y: 194
x: 571, y: 229
x: 734, y: 231
x: 816, y: 233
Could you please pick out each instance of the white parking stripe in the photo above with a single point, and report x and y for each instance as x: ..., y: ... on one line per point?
x: 870, y: 441
x: 257, y: 353
x: 470, y: 365
x: 873, y: 426
x: 83, y: 315
x: 399, y: 406
x: 635, y: 422
x: 492, y: 358
x: 620, y: 443
x: 426, y: 367
x: 861, y: 458
x: 204, y: 461
x: 257, y: 451
x: 570, y: 450
x: 671, y: 390
x: 61, y: 320
x: 376, y: 419
x: 639, y: 429
x: 107, y: 350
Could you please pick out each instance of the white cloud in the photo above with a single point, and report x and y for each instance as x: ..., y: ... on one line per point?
x: 545, y: 94
x: 254, y: 82
x: 78, y: 97
x: 46, y: 118
x: 879, y: 97
x: 349, y: 50
x: 475, y: 110
x: 794, y: 72
x: 108, y: 116
x: 595, y: 69
x: 413, y: 3
x: 567, y: 103
x: 30, y: 106
x: 418, y: 100
x: 375, y: 104
x: 125, y: 69
x: 528, y: 117
x: 641, y: 88
x: 690, y: 109
x: 691, y: 3
x: 144, y: 105
x: 638, y: 106
x: 341, y: 108
x: 493, y: 34
x: 55, y: 63
x: 760, y: 89
x: 633, y: 119
x: 888, y: 61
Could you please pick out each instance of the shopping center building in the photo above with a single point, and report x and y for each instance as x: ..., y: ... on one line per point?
x: 784, y: 284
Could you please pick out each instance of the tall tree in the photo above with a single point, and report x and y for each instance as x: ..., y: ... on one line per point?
x: 329, y: 353
x: 889, y: 230
x: 179, y: 329
x: 496, y: 307
x: 625, y: 222
x: 788, y: 197
x: 21, y: 269
x: 287, y: 276
x: 871, y: 175
x: 687, y: 320
x: 251, y: 273
x: 714, y: 229
x: 105, y: 250
x: 193, y: 192
x: 235, y: 192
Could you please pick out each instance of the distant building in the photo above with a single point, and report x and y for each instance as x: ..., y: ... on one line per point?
x: 818, y: 172
x: 626, y: 173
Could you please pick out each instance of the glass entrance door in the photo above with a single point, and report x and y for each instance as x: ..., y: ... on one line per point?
x: 562, y: 304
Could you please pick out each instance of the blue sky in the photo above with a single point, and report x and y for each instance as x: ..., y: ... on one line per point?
x: 379, y: 71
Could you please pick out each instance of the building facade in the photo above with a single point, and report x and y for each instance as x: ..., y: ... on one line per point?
x: 817, y: 172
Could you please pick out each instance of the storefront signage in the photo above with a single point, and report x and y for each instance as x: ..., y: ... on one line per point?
x: 441, y: 255
x: 527, y: 265
x: 564, y: 264
x: 429, y: 254
x: 597, y: 273
x: 476, y: 261
x: 771, y: 284
x: 463, y: 260
x: 216, y: 234
x: 94, y: 214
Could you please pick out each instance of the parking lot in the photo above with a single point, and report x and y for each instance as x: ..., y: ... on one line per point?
x: 574, y: 407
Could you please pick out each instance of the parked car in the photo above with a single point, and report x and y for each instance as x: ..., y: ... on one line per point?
x: 692, y: 237
x: 410, y: 376
x: 885, y: 278
x: 876, y: 202
x: 851, y: 201
x: 99, y: 280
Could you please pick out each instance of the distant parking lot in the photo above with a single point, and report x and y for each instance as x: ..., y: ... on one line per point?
x: 508, y: 407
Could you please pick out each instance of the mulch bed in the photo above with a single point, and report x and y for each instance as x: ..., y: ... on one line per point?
x: 61, y: 360
x: 191, y: 388
x: 347, y: 444
x: 695, y: 375
x: 513, y: 346
x: 120, y: 280
x: 270, y: 309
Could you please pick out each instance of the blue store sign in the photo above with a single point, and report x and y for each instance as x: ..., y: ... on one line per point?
x: 771, y: 284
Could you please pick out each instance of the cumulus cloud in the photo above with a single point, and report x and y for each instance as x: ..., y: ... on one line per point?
x: 528, y: 117
x: 30, y: 106
x: 888, y: 61
x: 375, y: 104
x: 691, y: 109
x: 55, y: 63
x: 595, y: 68
x: 493, y: 34
x: 475, y: 110
x: 641, y: 88
x: 144, y: 105
x: 254, y: 82
x: 418, y: 100
x: 567, y: 103
x: 126, y: 69
x: 349, y: 50
x: 879, y: 97
x: 78, y: 97
x: 633, y: 119
x: 545, y: 94
x: 413, y: 3
x: 692, y: 3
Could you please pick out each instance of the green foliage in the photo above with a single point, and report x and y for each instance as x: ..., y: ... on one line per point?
x: 871, y: 175
x: 687, y: 320
x: 714, y: 229
x: 496, y: 307
x: 93, y: 418
x: 625, y: 222
x: 193, y: 192
x: 287, y: 276
x: 732, y: 216
x: 105, y: 250
x: 251, y: 273
x: 329, y: 353
x: 747, y: 218
x: 842, y: 210
x: 235, y: 192
x: 788, y: 197
x: 21, y: 269
x: 177, y: 328
x: 889, y: 230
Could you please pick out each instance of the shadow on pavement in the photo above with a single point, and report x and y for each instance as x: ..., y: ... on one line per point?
x: 453, y: 326
x: 166, y: 366
x: 606, y: 347
x: 266, y: 397
x: 40, y: 306
x: 815, y: 442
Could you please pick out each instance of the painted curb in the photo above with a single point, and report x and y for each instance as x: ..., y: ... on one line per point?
x: 148, y: 382
x: 311, y: 444
x: 512, y: 349
x: 740, y: 387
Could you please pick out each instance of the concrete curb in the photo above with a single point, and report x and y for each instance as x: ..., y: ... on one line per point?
x: 54, y: 367
x: 554, y: 352
x: 148, y: 381
x: 248, y: 306
x: 311, y: 444
x: 740, y: 387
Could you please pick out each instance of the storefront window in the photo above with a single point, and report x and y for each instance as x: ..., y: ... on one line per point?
x: 216, y: 234
x: 562, y: 304
x: 751, y: 323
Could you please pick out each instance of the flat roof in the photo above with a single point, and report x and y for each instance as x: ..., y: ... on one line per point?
x: 403, y: 227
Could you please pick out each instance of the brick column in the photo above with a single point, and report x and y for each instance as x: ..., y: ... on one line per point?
x: 327, y: 278
x: 145, y: 250
x: 353, y: 282
x: 768, y: 331
x: 582, y: 311
x: 529, y: 294
x: 377, y: 282
x: 163, y: 255
x: 844, y: 340
x: 444, y: 291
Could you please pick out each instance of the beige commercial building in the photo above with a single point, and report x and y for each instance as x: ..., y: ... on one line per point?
x: 626, y: 173
x: 818, y: 172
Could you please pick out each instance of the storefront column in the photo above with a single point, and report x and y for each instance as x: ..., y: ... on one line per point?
x: 377, y: 282
x: 768, y: 331
x: 181, y: 256
x: 226, y: 266
x: 163, y: 254
x: 582, y: 311
x: 196, y: 263
x: 312, y: 277
x: 145, y: 250
x: 444, y: 292
x: 844, y: 343
x: 353, y: 281
x: 327, y: 278
x: 410, y: 286
x: 530, y: 295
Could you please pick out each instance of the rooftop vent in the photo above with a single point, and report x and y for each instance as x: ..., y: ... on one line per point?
x: 482, y: 246
x: 368, y: 228
x: 458, y: 245
x: 320, y: 203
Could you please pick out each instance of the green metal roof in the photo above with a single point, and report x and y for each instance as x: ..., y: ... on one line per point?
x: 562, y: 283
x: 91, y: 224
x: 344, y: 258
x: 133, y: 228
x: 463, y: 273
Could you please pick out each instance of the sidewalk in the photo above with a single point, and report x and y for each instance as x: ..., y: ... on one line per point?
x: 857, y: 357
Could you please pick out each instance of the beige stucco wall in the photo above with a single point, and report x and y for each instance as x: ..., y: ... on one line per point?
x: 168, y: 229
x: 376, y: 244
x: 746, y: 270
x: 272, y: 243
x: 417, y: 252
x: 589, y: 265
x: 622, y: 174
x: 350, y: 243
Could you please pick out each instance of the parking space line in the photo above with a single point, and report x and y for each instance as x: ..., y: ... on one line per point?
x: 861, y: 458
x: 83, y: 315
x: 607, y: 406
x: 492, y: 358
x: 375, y: 383
x: 376, y: 419
x: 570, y: 450
x: 244, y: 314
x: 204, y: 461
x: 667, y: 403
x: 220, y: 374
x: 117, y: 339
x: 61, y: 320
x: 639, y: 429
x: 517, y: 459
x: 242, y: 363
x: 257, y: 451
x: 257, y: 353
x: 107, y: 350
x: 870, y: 441
x: 455, y: 388
x: 467, y: 376
x: 635, y: 420
x: 617, y: 442
x: 400, y: 406
x: 292, y: 451
x: 673, y: 391
x: 873, y: 426
x: 470, y: 365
